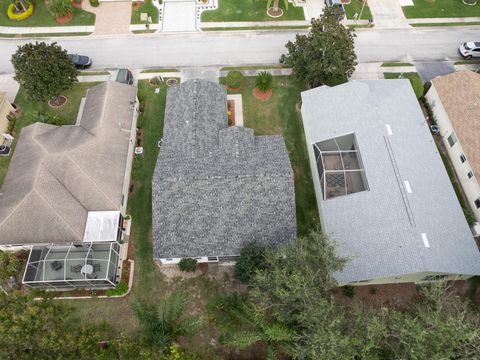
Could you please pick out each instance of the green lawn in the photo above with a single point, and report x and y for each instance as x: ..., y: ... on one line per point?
x: 41, y: 16
x: 415, y: 80
x: 395, y: 64
x: 250, y: 10
x: 146, y: 7
x: 278, y: 115
x: 440, y: 9
x: 355, y: 7
x: 31, y: 109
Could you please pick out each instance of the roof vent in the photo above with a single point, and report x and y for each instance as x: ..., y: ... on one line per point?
x: 389, y: 129
x: 425, y: 240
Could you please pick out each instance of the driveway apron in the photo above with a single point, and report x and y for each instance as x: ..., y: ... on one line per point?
x: 112, y: 18
x: 387, y: 14
x: 179, y: 15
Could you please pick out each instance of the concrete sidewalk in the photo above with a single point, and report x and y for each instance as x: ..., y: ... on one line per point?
x: 13, y: 30
x: 237, y: 24
x: 443, y: 20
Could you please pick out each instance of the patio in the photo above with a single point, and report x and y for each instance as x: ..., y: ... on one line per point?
x: 72, y: 266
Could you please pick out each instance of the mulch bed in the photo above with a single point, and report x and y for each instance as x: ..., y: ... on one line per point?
x: 57, y: 102
x: 64, y: 19
x: 171, y: 82
x: 261, y: 95
x: 395, y: 295
x: 231, y: 109
x: 274, y: 14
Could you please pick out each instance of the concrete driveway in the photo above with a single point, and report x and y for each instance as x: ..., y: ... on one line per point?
x: 387, y: 14
x: 179, y: 15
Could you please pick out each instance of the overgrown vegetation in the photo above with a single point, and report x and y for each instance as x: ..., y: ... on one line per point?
x: 188, y: 265
x: 120, y: 289
x: 251, y: 259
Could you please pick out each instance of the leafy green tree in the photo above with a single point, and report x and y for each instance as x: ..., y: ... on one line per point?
x: 159, y: 328
x: 251, y: 259
x: 326, y: 55
x: 43, y: 70
x: 45, y: 329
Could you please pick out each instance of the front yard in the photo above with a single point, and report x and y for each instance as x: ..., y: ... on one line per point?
x: 144, y: 7
x: 250, y: 10
x: 355, y: 7
x: 33, y: 111
x: 279, y: 116
x: 41, y: 16
x: 440, y: 9
x: 417, y: 83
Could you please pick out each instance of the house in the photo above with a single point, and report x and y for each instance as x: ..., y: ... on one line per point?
x: 216, y: 188
x: 382, y: 191
x: 455, y: 103
x: 65, y: 193
x: 5, y: 109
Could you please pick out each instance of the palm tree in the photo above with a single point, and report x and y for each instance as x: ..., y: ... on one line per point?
x: 264, y: 81
x: 247, y: 326
x: 160, y: 328
x: 24, y: 4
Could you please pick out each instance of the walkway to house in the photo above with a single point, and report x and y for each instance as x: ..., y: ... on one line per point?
x: 10, y: 86
x: 111, y: 17
x: 313, y: 9
x: 388, y: 14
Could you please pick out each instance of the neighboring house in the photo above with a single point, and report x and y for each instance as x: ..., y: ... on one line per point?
x: 216, y: 188
x: 383, y: 193
x: 66, y: 190
x: 5, y: 109
x: 455, y: 102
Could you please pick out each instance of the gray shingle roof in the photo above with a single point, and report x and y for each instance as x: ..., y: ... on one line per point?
x: 216, y: 188
x: 58, y: 174
x: 373, y: 227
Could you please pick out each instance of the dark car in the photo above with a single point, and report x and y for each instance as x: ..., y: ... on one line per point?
x: 80, y: 61
x: 125, y: 76
x: 337, y: 5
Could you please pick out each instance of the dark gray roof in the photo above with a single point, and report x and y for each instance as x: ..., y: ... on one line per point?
x: 381, y: 228
x: 216, y: 188
x: 59, y: 173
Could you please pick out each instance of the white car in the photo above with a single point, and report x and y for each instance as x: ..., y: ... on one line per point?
x: 470, y: 49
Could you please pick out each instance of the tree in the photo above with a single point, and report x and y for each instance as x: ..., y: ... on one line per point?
x: 251, y: 259
x: 158, y: 329
x: 244, y: 325
x: 45, y: 329
x: 43, y: 70
x: 60, y: 7
x: 24, y: 4
x: 325, y: 55
x: 276, y: 9
x: 264, y: 81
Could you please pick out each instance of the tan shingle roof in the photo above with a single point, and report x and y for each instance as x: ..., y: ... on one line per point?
x: 460, y: 96
x: 58, y: 174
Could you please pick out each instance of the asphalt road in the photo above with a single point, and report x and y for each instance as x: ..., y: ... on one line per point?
x: 241, y: 48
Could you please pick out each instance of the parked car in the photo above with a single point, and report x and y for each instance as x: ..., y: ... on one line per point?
x: 80, y: 61
x: 470, y: 49
x: 125, y: 76
x: 338, y: 6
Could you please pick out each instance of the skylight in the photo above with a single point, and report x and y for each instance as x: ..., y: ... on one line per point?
x: 340, y: 166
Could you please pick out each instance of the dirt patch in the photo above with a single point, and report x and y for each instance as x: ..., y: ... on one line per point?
x: 171, y: 82
x: 263, y: 96
x: 57, y: 101
x: 395, y: 295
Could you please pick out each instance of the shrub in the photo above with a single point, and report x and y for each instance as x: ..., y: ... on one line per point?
x: 94, y: 3
x: 252, y: 258
x: 188, y: 265
x: 373, y: 290
x: 10, y: 265
x: 469, y: 216
x: 60, y: 7
x: 19, y: 16
x: 348, y: 291
x: 234, y: 79
x: 264, y: 81
x: 10, y: 127
x: 137, y: 167
x: 120, y: 289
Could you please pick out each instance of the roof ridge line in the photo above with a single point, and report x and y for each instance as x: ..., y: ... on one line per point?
x: 93, y: 181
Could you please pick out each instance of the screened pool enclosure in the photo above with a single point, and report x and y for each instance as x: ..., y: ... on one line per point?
x: 340, y: 166
x: 87, y: 265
